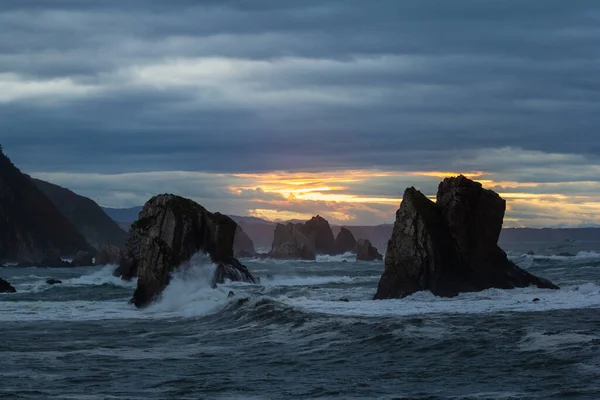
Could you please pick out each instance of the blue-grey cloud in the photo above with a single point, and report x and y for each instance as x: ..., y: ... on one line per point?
x: 237, y: 86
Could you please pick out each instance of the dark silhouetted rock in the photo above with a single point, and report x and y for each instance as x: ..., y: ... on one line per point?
x: 366, y: 252
x: 169, y: 231
x: 344, y: 300
x: 450, y: 247
x: 53, y: 281
x: 83, y: 259
x: 318, y: 230
x: 242, y: 244
x: 290, y: 242
x: 345, y: 242
x: 6, y: 287
x: 30, y: 223
x: 108, y: 254
x: 531, y: 253
x: 536, y: 300
x: 85, y: 215
x: 230, y: 294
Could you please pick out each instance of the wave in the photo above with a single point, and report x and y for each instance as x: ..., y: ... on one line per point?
x: 189, y: 294
x: 103, y: 276
x: 582, y: 255
x: 488, y: 301
x: 552, y: 342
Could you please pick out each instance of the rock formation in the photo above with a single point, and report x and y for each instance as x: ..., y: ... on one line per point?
x: 242, y: 244
x: 6, y: 287
x: 345, y: 242
x: 450, y: 247
x: 83, y: 259
x: 108, y: 254
x: 366, y: 252
x: 169, y: 231
x: 290, y: 242
x: 30, y: 224
x: 318, y: 230
x: 85, y: 215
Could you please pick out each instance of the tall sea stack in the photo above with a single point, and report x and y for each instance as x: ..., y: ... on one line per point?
x: 450, y: 246
x: 169, y: 231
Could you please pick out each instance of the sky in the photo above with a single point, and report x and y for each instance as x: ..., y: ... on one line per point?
x: 286, y: 109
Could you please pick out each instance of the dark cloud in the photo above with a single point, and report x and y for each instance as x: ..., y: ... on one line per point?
x: 240, y: 86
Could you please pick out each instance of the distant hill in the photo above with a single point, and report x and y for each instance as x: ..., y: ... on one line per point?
x: 87, y: 216
x: 261, y: 231
x: 533, y: 235
x: 125, y: 215
x: 30, y: 224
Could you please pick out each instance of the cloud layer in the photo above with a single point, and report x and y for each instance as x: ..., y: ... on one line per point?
x: 104, y: 91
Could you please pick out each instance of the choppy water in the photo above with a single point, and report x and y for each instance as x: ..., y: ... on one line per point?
x: 293, y: 338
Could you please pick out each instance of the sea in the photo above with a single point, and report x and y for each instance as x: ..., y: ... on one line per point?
x: 309, y: 330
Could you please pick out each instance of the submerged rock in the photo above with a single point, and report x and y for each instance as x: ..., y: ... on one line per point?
x: 6, y: 287
x: 83, y: 259
x: 290, y: 242
x: 345, y: 242
x: 366, y: 252
x: 169, y: 231
x: 50, y: 259
x: 109, y: 254
x: 566, y: 254
x: 53, y: 281
x: 531, y: 253
x: 452, y: 246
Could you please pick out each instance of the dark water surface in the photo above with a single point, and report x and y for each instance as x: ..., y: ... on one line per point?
x: 294, y: 339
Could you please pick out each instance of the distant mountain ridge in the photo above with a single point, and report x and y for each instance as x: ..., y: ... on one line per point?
x: 30, y: 224
x: 261, y: 231
x: 88, y: 217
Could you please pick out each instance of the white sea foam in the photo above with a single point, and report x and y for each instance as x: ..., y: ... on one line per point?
x: 100, y: 277
x: 582, y: 255
x: 190, y: 294
x: 488, y: 301
x: 535, y: 341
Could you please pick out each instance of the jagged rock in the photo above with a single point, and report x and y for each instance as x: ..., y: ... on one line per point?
x: 345, y: 242
x: 531, y: 253
x: 169, y: 231
x: 109, y: 254
x: 83, y: 259
x: 290, y: 242
x: 450, y: 247
x: 318, y: 230
x: 53, y: 281
x: 6, y: 287
x: 242, y: 244
x: 366, y: 252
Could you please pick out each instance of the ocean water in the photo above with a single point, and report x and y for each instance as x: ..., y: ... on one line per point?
x: 309, y: 330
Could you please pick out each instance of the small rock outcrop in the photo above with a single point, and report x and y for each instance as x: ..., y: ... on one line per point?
x: 242, y: 244
x: 109, y: 254
x: 450, y: 246
x: 53, y: 281
x: 6, y: 287
x: 345, y: 242
x: 365, y: 251
x: 83, y: 259
x: 290, y: 242
x: 169, y: 231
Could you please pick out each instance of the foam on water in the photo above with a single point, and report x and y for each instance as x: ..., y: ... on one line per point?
x: 547, y: 341
x: 103, y: 276
x: 488, y: 301
x: 189, y: 293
